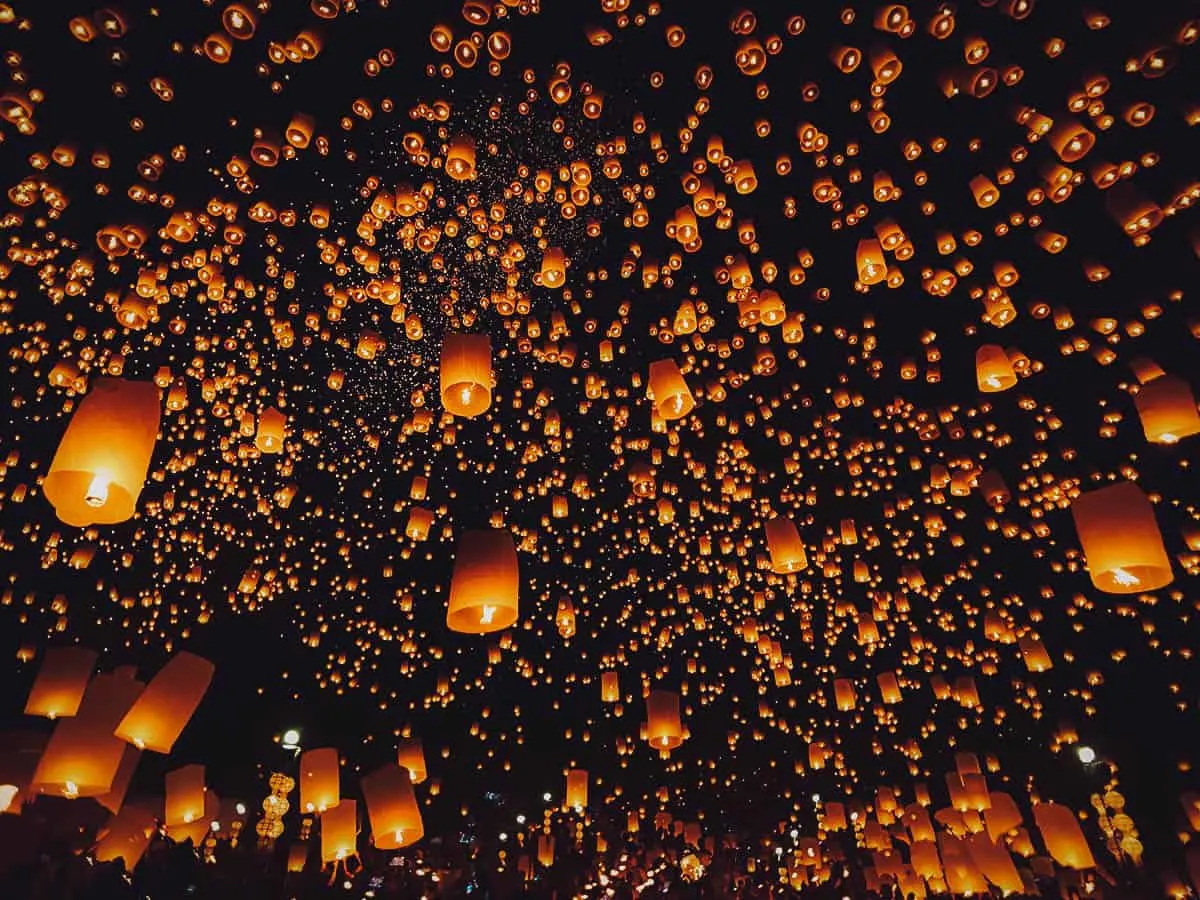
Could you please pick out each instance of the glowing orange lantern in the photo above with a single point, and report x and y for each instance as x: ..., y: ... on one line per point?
x: 485, y: 586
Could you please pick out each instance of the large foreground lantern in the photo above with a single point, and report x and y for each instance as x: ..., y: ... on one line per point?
x: 83, y: 756
x: 1167, y: 410
x: 668, y: 391
x: 993, y: 369
x: 1063, y: 837
x: 392, y: 807
x: 1121, y: 540
x: 61, y: 682
x: 101, y: 463
x: 160, y: 714
x: 486, y: 584
x: 466, y: 374
x: 577, y: 788
x: 664, y: 729
x: 320, y: 780
x: 785, y: 546
x: 339, y: 832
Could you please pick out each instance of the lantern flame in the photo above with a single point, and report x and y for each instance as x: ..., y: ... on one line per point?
x: 70, y: 790
x: 97, y: 492
x: 1120, y: 576
x: 485, y: 617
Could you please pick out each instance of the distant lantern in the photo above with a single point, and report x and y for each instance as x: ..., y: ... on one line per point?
x: 1167, y: 410
x: 577, y: 789
x: 339, y: 832
x: 785, y: 546
x: 1062, y: 835
x: 392, y: 807
x: 320, y: 780
x: 163, y: 710
x: 664, y: 729
x: 668, y: 391
x: 83, y: 756
x: 610, y: 687
x: 872, y: 268
x: 61, y: 682
x: 485, y: 586
x: 545, y: 850
x: 460, y: 158
x: 184, y: 796
x: 1121, y: 540
x: 272, y: 429
x: 101, y: 463
x: 411, y: 756
x: 466, y: 374
x: 1070, y: 140
x: 993, y: 369
x: 554, y: 268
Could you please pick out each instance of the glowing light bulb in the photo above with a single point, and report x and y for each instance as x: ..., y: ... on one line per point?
x: 1120, y: 576
x: 97, y: 492
x: 489, y: 612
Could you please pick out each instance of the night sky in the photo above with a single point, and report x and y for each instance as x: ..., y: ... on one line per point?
x: 344, y: 634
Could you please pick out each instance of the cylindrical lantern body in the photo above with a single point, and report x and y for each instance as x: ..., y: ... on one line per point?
x: 664, y: 729
x: 126, y: 836
x: 411, y: 756
x: 160, y: 714
x: 1121, y: 540
x: 339, y: 832
x: 785, y: 546
x: 320, y: 780
x: 61, y: 682
x: 485, y: 587
x: 669, y: 392
x: 272, y: 431
x: 392, y: 807
x: 1167, y: 410
x: 545, y: 850
x: 993, y: 370
x: 101, y: 463
x: 185, y: 796
x: 83, y: 756
x: 466, y: 374
x: 577, y: 788
x: 1063, y: 837
x: 610, y: 687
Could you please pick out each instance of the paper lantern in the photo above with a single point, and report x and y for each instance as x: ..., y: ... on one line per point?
x: 392, y: 808
x: 844, y: 694
x: 1002, y: 816
x: 1167, y: 410
x: 411, y: 756
x: 114, y: 800
x: 297, y: 856
x: 610, y: 687
x: 785, y: 546
x: 872, y: 268
x: 466, y: 374
x: 993, y: 369
x: 126, y: 836
x: 163, y: 710
x: 889, y: 687
x: 1121, y: 540
x: 419, y: 522
x: 962, y: 875
x: 320, y: 780
x: 339, y: 832
x: 545, y: 850
x: 664, y: 730
x: 1070, y: 140
x: 185, y: 796
x: 100, y: 467
x: 668, y: 391
x: 61, y: 682
x: 577, y: 789
x: 201, y: 825
x: 272, y: 431
x: 460, y: 158
x: 554, y: 268
x: 485, y: 586
x: 83, y: 756
x: 1063, y: 837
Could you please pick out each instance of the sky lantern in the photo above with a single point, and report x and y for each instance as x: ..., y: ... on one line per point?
x: 577, y: 789
x: 126, y: 836
x: 486, y: 583
x: 1167, y: 409
x: 993, y: 369
x: 872, y: 268
x: 460, y: 158
x: 554, y: 268
x: 785, y: 546
x: 411, y: 756
x: 466, y: 374
x: 664, y: 730
x: 185, y: 795
x: 61, y: 682
x: 668, y: 391
x: 82, y: 757
x: 610, y: 686
x: 1062, y: 835
x: 392, y: 808
x: 339, y: 833
x: 320, y: 779
x: 101, y: 463
x: 160, y: 714
x: 272, y: 431
x: 1120, y: 538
